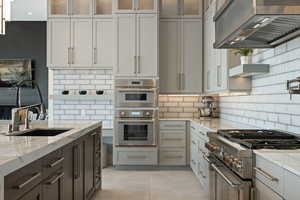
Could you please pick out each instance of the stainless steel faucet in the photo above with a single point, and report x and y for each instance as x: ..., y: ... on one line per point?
x: 18, y: 120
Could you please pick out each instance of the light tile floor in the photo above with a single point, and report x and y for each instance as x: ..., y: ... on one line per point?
x: 150, y: 185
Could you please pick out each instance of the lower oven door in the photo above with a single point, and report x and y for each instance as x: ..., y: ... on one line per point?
x: 225, y: 185
x: 136, y: 132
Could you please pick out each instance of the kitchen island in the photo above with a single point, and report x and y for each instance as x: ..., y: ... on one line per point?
x: 74, y: 153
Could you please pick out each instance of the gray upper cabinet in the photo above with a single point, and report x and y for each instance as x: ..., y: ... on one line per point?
x: 180, y: 56
x: 136, y: 45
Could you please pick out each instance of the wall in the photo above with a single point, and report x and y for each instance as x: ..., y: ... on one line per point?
x: 90, y: 107
x: 25, y: 40
x: 269, y: 104
x: 179, y: 106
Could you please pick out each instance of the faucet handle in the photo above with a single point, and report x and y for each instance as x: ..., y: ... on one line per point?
x: 10, y: 128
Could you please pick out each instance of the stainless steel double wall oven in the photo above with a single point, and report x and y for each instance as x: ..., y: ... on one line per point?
x: 136, y: 117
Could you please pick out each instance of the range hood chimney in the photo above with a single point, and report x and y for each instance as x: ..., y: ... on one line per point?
x: 256, y: 23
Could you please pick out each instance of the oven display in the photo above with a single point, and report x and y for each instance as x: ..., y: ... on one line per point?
x: 135, y: 114
x: 135, y: 97
x: 135, y: 132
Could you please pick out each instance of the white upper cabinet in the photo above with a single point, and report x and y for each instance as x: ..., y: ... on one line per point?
x: 147, y: 45
x: 169, y: 60
x: 103, y: 7
x: 180, y: 8
x: 125, y: 49
x: 81, y: 42
x: 74, y: 8
x: 29, y: 10
x: 135, y: 6
x: 136, y: 45
x: 58, y: 43
x: 103, y: 43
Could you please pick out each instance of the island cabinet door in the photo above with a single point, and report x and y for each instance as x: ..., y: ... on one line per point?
x: 34, y: 194
x: 89, y: 165
x: 53, y: 187
x: 68, y: 192
x: 78, y: 170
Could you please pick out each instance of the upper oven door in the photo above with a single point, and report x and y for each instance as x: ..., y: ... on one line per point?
x: 136, y: 132
x: 225, y: 185
x: 136, y: 98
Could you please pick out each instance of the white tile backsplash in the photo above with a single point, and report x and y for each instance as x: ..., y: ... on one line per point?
x: 75, y: 80
x: 269, y: 104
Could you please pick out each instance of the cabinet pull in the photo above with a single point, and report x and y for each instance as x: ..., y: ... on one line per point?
x: 139, y: 65
x: 95, y: 55
x: 193, y: 128
x: 135, y: 67
x: 202, y: 133
x: 76, y: 162
x: 266, y: 174
x: 56, y: 162
x: 173, y: 126
x: 173, y: 157
x: 219, y: 76
x: 93, y: 134
x: 56, y: 179
x: 72, y: 55
x: 178, y: 82
x: 182, y: 80
x: 173, y: 139
x: 28, y: 181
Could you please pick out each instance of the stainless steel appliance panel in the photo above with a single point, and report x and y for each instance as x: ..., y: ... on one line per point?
x: 136, y: 98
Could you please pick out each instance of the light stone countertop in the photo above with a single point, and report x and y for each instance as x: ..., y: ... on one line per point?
x: 214, y: 125
x: 19, y: 151
x: 287, y: 159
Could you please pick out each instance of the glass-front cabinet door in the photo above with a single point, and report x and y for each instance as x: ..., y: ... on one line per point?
x: 180, y: 8
x: 103, y: 7
x: 135, y: 6
x: 58, y: 8
x: 67, y: 8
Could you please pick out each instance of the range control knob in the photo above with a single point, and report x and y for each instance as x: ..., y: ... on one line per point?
x: 148, y: 114
x: 122, y: 113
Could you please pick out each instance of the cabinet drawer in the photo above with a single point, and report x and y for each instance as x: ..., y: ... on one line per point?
x: 22, y: 180
x: 172, y: 125
x: 172, y: 139
x: 263, y: 192
x: 291, y: 184
x: 172, y: 156
x: 52, y: 162
x: 137, y: 157
x: 270, y: 174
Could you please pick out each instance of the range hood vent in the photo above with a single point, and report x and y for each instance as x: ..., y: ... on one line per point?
x: 256, y: 23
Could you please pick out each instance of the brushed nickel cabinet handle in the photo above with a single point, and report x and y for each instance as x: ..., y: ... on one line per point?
x: 73, y: 55
x: 28, y: 181
x: 135, y: 64
x: 95, y: 55
x: 56, y: 162
x: 95, y: 133
x: 182, y: 81
x: 173, y: 157
x: 266, y: 174
x: 136, y: 157
x: 173, y: 139
x: 69, y: 60
x: 56, y: 179
x: 178, y: 81
x: 139, y: 64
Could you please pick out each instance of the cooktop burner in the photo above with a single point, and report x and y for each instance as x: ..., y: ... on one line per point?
x: 262, y: 139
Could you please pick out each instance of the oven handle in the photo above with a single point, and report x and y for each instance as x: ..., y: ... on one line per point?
x: 136, y: 90
x: 137, y: 121
x: 233, y: 185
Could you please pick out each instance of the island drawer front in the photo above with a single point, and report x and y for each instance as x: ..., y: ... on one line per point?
x: 52, y: 162
x: 265, y: 171
x: 23, y: 180
x: 172, y: 156
x: 172, y: 139
x: 173, y: 125
x: 137, y: 158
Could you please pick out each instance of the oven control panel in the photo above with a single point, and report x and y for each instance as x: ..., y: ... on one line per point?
x: 136, y: 114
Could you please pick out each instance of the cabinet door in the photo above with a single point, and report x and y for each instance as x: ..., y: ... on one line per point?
x: 58, y: 8
x: 68, y: 191
x: 125, y: 40
x: 192, y: 56
x: 169, y: 8
x: 103, y: 43
x: 58, y: 39
x: 34, y: 194
x: 169, y: 59
x: 124, y: 6
x: 103, y: 7
x: 147, y: 6
x: 147, y: 45
x: 53, y: 187
x: 82, y: 36
x: 191, y: 8
x: 81, y: 8
x: 89, y: 165
x: 79, y: 171
x: 263, y: 192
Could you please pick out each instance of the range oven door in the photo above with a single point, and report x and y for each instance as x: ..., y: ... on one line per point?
x: 136, y: 133
x: 225, y: 185
x: 136, y: 98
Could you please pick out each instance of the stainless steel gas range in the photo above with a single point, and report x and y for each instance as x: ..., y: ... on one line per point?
x: 231, y: 159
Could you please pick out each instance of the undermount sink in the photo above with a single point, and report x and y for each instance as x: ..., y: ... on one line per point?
x: 40, y: 132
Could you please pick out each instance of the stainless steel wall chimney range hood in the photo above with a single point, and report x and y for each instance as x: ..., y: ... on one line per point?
x: 256, y: 23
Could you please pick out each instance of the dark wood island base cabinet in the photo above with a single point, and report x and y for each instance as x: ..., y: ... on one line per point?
x: 72, y: 172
